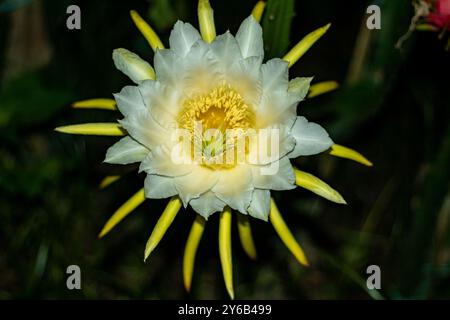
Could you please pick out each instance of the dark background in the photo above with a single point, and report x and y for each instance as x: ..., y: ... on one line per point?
x: 393, y: 106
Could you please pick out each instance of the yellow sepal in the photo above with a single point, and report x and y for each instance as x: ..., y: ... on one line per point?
x: 347, y: 153
x: 314, y: 184
x: 124, y: 210
x: 147, y: 31
x: 245, y: 235
x: 303, y: 46
x: 162, y: 225
x: 321, y: 88
x: 206, y: 21
x: 258, y: 10
x: 285, y: 234
x: 225, y: 249
x: 190, y: 250
x: 105, y: 104
x: 108, y: 180
x: 94, y: 129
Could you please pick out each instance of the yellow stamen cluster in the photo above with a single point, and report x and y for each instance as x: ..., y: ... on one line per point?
x: 222, y: 109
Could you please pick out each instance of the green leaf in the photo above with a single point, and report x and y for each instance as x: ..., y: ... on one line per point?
x: 418, y: 245
x: 277, y: 25
x: 27, y: 101
x: 162, y: 14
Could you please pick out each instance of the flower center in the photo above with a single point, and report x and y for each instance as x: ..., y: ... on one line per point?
x: 216, y: 121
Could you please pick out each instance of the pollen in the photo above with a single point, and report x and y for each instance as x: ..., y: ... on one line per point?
x: 222, y: 110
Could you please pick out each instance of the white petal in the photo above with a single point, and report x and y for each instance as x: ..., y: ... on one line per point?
x: 162, y: 101
x: 277, y: 104
x: 182, y: 37
x: 245, y: 77
x: 143, y: 128
x: 282, y: 179
x: 149, y: 89
x: 129, y: 100
x: 202, y: 72
x: 235, y: 187
x: 277, y: 108
x: 249, y: 37
x: 159, y: 161
x: 132, y: 65
x: 159, y: 187
x: 226, y: 51
x: 207, y: 204
x: 275, y: 75
x: 126, y: 151
x: 168, y: 67
x: 270, y: 144
x: 300, y: 86
x: 287, y: 142
x: 310, y: 138
x: 260, y: 206
x: 197, y: 182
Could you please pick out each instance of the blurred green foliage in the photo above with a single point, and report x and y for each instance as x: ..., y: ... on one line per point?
x: 277, y: 25
x: 393, y: 106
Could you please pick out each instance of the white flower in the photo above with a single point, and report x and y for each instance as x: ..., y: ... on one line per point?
x: 222, y: 83
x: 205, y: 87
